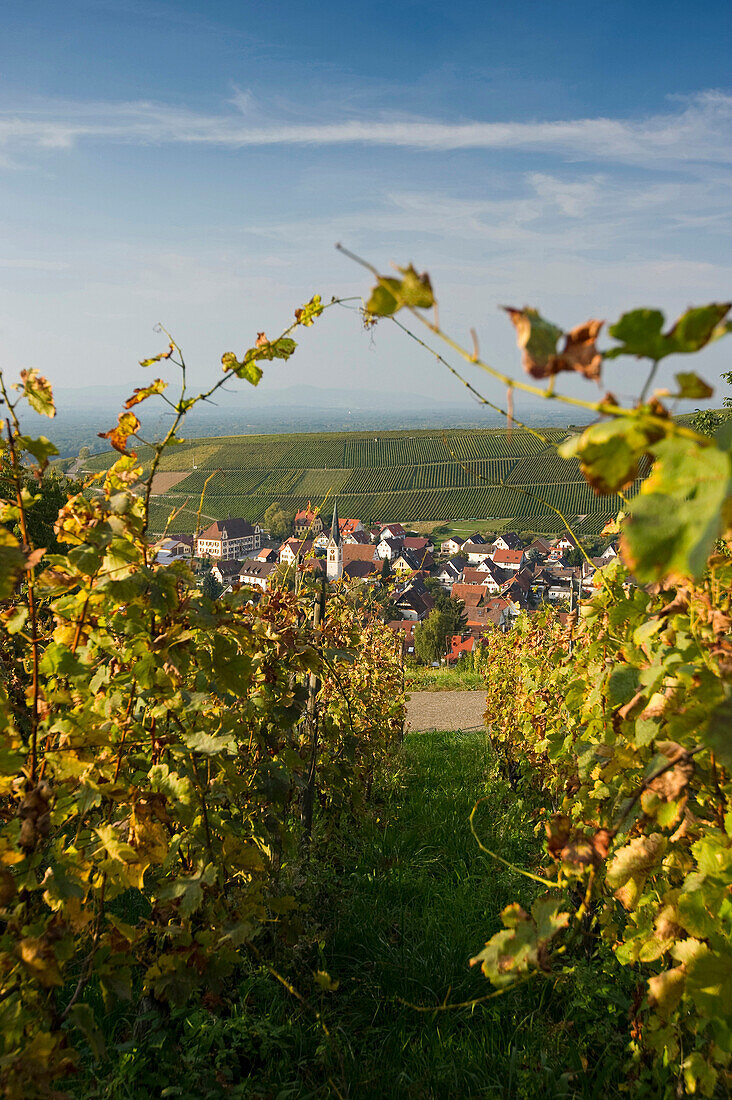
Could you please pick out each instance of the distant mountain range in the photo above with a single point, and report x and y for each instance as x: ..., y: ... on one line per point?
x: 267, y: 397
x: 83, y: 412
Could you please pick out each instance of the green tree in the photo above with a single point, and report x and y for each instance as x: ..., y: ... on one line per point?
x: 278, y: 521
x: 707, y: 421
x: 453, y: 609
x: 210, y: 587
x: 430, y: 637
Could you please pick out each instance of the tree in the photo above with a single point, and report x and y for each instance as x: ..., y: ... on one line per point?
x: 278, y: 521
x: 574, y: 557
x: 430, y: 637
x: 210, y: 586
x: 707, y: 421
x: 453, y: 609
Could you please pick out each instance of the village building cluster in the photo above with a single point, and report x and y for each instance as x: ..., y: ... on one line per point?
x: 495, y: 577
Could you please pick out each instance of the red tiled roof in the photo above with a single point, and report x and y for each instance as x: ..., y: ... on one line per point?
x: 470, y: 594
x: 508, y: 557
x: 355, y: 551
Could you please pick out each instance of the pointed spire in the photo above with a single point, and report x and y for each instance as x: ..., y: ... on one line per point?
x: 335, y: 530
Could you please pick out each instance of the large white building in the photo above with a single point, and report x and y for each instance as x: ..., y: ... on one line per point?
x: 229, y: 538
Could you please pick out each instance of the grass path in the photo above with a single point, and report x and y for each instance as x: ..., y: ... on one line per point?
x: 415, y: 900
x: 395, y: 914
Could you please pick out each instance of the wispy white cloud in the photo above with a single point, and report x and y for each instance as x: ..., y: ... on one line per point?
x: 696, y: 129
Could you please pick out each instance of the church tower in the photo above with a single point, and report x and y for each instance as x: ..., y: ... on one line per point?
x: 335, y: 549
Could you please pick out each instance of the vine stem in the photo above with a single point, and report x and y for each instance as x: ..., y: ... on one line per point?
x: 506, y: 863
x: 512, y: 419
x: 599, y: 407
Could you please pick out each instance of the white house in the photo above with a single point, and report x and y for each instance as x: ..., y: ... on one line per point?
x: 508, y: 559
x: 476, y: 552
x: 295, y: 549
x: 256, y: 573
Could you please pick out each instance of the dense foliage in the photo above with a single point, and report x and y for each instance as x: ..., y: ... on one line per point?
x: 163, y: 754
x: 626, y: 722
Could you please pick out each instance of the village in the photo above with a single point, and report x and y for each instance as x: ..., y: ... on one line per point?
x: 487, y: 579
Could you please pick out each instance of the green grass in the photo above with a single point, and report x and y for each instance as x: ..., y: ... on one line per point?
x: 457, y: 678
x: 395, y: 909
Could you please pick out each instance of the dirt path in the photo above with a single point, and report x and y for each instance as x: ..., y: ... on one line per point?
x: 445, y: 710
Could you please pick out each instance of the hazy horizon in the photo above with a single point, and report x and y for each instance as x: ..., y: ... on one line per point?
x: 169, y: 163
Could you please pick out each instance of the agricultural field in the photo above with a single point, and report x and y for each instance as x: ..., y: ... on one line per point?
x: 410, y: 476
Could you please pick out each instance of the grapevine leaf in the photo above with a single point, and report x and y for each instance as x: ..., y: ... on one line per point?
x: 38, y: 391
x: 157, y: 358
x: 665, y: 990
x: 695, y: 328
x: 208, y: 744
x: 141, y: 393
x: 635, y: 858
x: 580, y: 352
x: 306, y: 314
x: 610, y: 452
x: 248, y: 366
x: 521, y: 946
x: 41, y: 448
x: 127, y: 425
x: 692, y: 386
x: 699, y: 1076
x: 622, y: 685
x: 640, y: 332
x: 537, y: 338
x: 709, y: 983
x: 384, y: 298
x: 12, y: 562
x: 679, y: 511
x: 390, y: 295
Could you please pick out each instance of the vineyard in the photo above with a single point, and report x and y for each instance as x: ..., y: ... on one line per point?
x: 189, y: 898
x: 409, y: 476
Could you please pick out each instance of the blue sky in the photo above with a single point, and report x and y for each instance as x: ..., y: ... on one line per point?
x: 195, y: 163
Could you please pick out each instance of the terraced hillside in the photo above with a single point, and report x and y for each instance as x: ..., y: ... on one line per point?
x: 398, y: 476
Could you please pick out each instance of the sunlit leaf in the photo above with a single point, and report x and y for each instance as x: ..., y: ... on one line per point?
x: 38, y: 391
x: 142, y: 393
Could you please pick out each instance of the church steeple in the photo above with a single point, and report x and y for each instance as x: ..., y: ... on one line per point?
x: 334, y: 564
x: 335, y: 527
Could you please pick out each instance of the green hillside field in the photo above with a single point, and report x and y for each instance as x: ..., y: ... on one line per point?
x: 510, y: 478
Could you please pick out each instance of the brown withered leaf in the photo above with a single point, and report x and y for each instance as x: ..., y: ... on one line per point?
x: 672, y: 783
x: 631, y: 705
x: 678, y: 605
x: 580, y: 353
x: 578, y: 854
x: 34, y: 557
x: 261, y: 340
x: 721, y: 623
x: 557, y: 834
x: 538, y: 337
x: 601, y: 842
